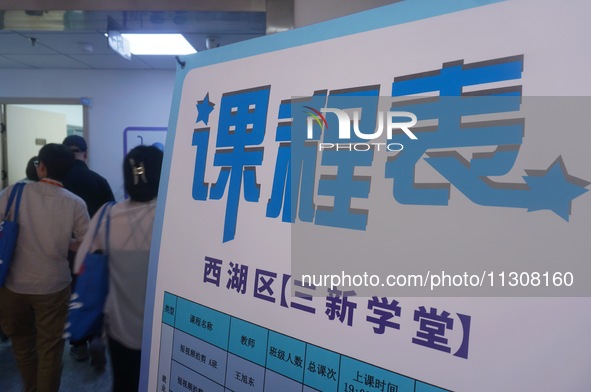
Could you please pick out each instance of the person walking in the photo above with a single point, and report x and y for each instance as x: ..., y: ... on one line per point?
x: 95, y: 190
x: 34, y: 300
x: 130, y: 237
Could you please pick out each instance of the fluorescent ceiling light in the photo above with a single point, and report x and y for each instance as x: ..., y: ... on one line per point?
x: 158, y: 44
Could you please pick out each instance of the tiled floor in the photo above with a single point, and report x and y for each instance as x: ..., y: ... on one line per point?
x: 76, y: 377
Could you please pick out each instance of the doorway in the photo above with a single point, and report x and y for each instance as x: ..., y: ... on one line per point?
x: 27, y: 125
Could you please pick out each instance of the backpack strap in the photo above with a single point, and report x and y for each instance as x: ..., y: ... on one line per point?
x: 16, y: 192
x: 106, y: 210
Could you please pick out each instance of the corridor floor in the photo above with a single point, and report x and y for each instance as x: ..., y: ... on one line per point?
x: 76, y: 377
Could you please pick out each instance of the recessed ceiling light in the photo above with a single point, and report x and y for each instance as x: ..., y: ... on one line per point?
x: 158, y: 44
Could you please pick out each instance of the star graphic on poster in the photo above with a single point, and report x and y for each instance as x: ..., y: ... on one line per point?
x: 204, y: 109
x: 556, y: 188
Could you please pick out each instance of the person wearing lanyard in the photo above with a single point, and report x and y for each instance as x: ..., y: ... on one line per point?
x: 34, y: 300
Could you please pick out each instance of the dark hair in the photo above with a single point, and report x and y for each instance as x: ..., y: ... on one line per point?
x: 58, y: 160
x: 76, y: 143
x: 31, y: 170
x: 141, y: 172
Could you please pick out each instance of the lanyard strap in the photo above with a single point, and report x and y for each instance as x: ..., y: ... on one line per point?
x: 51, y: 182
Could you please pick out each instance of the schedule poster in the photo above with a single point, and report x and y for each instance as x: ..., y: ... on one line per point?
x: 392, y: 201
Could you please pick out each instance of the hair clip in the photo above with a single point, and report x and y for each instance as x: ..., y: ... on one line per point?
x: 139, y: 171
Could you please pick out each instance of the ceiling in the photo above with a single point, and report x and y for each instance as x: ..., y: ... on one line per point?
x: 62, y: 36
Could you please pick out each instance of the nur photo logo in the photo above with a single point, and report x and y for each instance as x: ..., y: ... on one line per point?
x: 385, y: 120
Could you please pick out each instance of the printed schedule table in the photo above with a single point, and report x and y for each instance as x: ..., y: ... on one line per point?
x: 203, y: 350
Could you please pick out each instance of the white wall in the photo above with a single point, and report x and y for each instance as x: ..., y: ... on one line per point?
x: 120, y: 99
x: 24, y: 127
x: 73, y: 113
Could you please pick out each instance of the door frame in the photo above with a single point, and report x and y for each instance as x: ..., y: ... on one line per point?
x: 84, y: 102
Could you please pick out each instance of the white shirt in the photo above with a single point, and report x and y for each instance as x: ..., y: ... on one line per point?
x: 49, y: 217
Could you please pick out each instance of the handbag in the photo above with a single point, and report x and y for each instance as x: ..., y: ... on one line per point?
x: 85, y: 316
x: 9, y: 231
